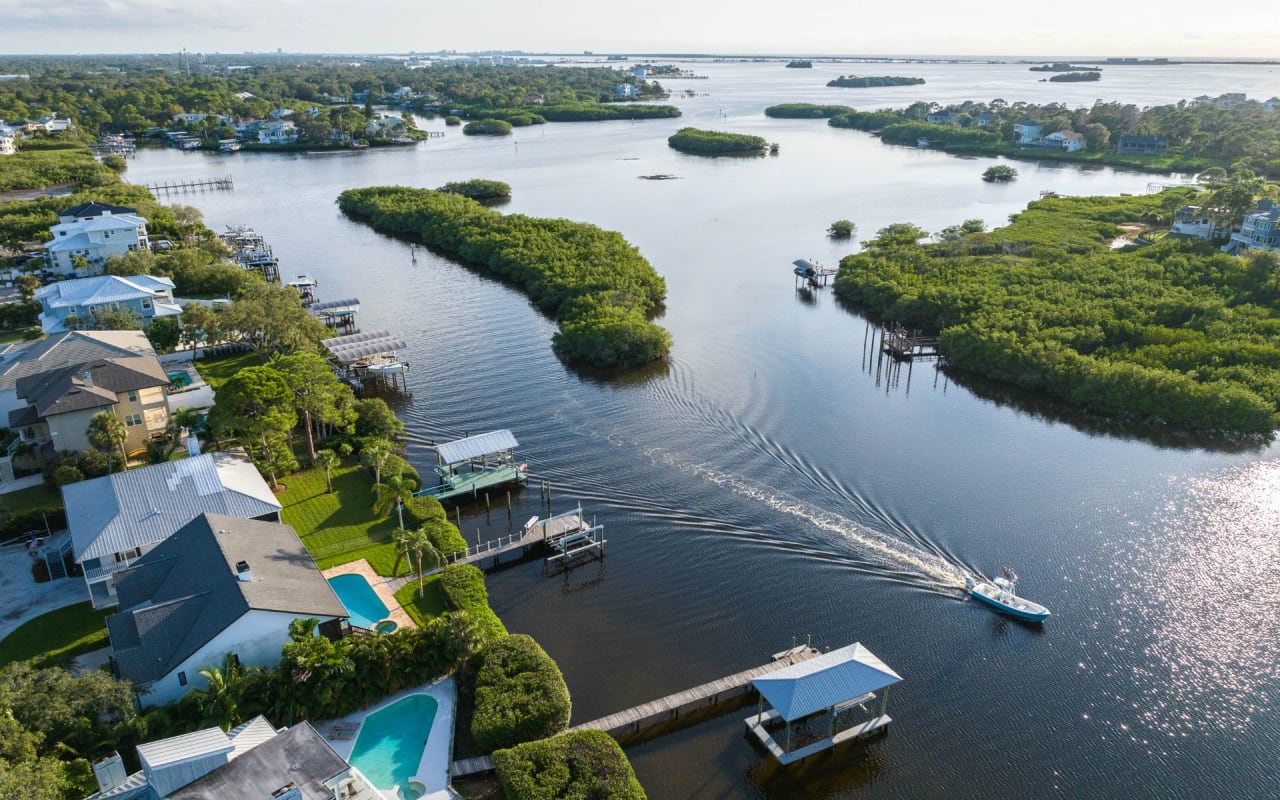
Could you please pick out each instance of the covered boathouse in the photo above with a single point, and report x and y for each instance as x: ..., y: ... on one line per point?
x: 821, y: 702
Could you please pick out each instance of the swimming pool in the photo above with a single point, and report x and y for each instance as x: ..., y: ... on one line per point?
x: 363, y: 603
x: 391, y: 743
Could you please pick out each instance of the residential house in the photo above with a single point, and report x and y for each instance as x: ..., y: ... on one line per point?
x: 92, y: 232
x: 252, y: 760
x: 534, y: 99
x: 943, y: 117
x: 1257, y: 230
x: 277, y: 133
x: 1194, y: 221
x: 983, y: 119
x: 1027, y: 132
x: 384, y: 126
x: 1227, y: 100
x: 243, y: 95
x: 404, y: 94
x: 218, y: 586
x: 1271, y: 105
x: 189, y: 118
x: 1068, y: 141
x: 117, y: 518
x: 8, y: 139
x: 1142, y: 145
x: 281, y: 113
x: 60, y: 403
x: 624, y: 90
x: 148, y: 296
x: 639, y: 72
x: 49, y: 124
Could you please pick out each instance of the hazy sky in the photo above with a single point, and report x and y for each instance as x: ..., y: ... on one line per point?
x: 944, y: 27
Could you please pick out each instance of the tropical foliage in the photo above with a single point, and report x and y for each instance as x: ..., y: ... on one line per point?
x: 487, y: 127
x: 600, y: 288
x: 479, y: 189
x: 702, y: 142
x: 870, y: 81
x: 578, y: 765
x: 520, y: 695
x: 463, y: 586
x: 1175, y: 333
x: 999, y: 173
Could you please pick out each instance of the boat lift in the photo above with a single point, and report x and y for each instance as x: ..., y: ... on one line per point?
x: 812, y: 273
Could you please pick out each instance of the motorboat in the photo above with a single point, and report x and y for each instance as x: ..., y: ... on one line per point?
x: 1001, y: 594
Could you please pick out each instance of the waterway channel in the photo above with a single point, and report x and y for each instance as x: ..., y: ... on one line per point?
x: 765, y: 486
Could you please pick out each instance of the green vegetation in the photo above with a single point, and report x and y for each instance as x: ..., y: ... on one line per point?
x: 600, y: 289
x: 700, y: 142
x: 520, y: 695
x: 339, y: 526
x: 841, y: 229
x: 487, y: 127
x: 479, y: 189
x: 1076, y: 77
x: 75, y: 166
x: 870, y: 81
x: 1060, y: 66
x: 58, y: 637
x: 464, y: 589
x: 580, y: 765
x: 799, y: 65
x: 999, y: 173
x: 805, y: 111
x: 28, y: 509
x: 427, y: 607
x: 452, y: 120
x: 1175, y: 333
x: 220, y: 369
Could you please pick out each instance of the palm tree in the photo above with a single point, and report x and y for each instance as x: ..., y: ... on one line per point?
x: 395, y: 491
x: 300, y: 629
x: 464, y: 637
x: 327, y: 459
x: 219, y: 704
x: 106, y: 431
x: 417, y: 543
x: 375, y: 456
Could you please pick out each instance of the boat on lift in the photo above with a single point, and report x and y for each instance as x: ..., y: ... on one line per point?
x: 1001, y: 594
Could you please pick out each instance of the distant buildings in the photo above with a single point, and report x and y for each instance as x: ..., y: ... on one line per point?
x: 1142, y: 145
x: 8, y: 139
x: 1227, y: 100
x: 625, y: 90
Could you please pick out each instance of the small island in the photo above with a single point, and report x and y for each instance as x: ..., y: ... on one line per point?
x: 1062, y: 66
x: 870, y: 81
x: 800, y: 65
x: 1000, y: 173
x: 716, y: 143
x: 1076, y: 77
x: 487, y: 127
x: 479, y: 189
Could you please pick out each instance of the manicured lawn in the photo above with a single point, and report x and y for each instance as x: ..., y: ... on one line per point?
x: 31, y: 499
x: 217, y: 371
x: 13, y: 336
x: 431, y: 604
x: 340, y: 527
x: 57, y: 637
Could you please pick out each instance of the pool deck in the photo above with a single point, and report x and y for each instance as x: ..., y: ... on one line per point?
x: 379, y: 585
x: 433, y: 769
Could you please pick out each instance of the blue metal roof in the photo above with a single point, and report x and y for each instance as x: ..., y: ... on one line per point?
x: 824, y: 681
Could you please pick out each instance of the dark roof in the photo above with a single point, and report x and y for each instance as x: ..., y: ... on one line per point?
x: 299, y: 756
x: 1143, y: 140
x: 178, y: 597
x: 22, y: 417
x: 93, y: 209
x: 72, y: 347
x: 62, y: 390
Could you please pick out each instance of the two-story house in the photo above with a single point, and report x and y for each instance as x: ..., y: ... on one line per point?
x: 1194, y: 221
x: 8, y: 140
x: 278, y: 133
x: 60, y: 402
x: 1026, y: 131
x: 148, y: 296
x: 86, y: 234
x: 117, y: 518
x: 1068, y: 141
x: 943, y: 117
x: 1258, y: 230
x: 218, y: 586
x: 1142, y: 145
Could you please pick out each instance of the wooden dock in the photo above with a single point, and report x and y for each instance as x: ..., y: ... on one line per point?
x: 906, y: 345
x: 198, y: 185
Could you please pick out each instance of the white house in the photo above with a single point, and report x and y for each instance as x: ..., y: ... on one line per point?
x: 281, y: 113
x: 8, y: 140
x: 278, y: 133
x: 943, y: 117
x: 148, y: 296
x: 624, y: 90
x: 117, y: 518
x: 50, y: 124
x: 384, y: 126
x: 218, y: 586
x: 93, y: 231
x: 1027, y: 131
x: 1194, y: 221
x: 1070, y: 141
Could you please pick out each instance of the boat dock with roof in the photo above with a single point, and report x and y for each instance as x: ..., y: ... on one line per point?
x: 369, y: 359
x: 337, y: 314
x: 470, y: 466
x: 811, y: 272
x: 251, y: 251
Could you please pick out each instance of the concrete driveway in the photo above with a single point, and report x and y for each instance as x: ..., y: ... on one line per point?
x: 21, y: 598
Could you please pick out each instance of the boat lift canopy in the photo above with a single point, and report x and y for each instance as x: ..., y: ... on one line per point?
x: 481, y: 444
x: 825, y: 681
x: 350, y: 305
x: 363, y: 345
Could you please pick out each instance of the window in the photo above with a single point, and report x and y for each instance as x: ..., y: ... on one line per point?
x: 146, y: 304
x: 182, y: 679
x: 133, y: 419
x: 133, y: 397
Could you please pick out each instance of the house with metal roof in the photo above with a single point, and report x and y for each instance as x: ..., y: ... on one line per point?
x: 60, y: 403
x: 218, y: 586
x: 147, y: 296
x: 1259, y: 230
x: 253, y: 760
x: 102, y: 231
x: 115, y: 519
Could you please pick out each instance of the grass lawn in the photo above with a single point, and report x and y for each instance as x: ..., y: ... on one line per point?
x: 31, y: 499
x: 432, y: 603
x: 13, y: 336
x: 217, y: 371
x: 340, y: 527
x: 57, y: 637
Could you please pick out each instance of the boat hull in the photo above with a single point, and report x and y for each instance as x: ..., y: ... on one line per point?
x: 1015, y: 606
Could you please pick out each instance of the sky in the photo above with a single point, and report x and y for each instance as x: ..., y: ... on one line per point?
x: 1172, y: 28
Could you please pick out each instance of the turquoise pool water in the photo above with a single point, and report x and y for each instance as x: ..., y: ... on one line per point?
x: 361, y: 601
x: 392, y: 740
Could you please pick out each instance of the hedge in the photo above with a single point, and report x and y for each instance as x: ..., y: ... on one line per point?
x: 463, y: 587
x: 582, y: 765
x: 520, y: 695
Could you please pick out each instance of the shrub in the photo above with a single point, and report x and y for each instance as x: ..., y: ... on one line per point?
x: 841, y: 229
x: 453, y: 120
x: 694, y: 140
x: 520, y: 695
x: 487, y: 127
x: 478, y: 189
x: 463, y: 586
x: 1000, y: 173
x: 581, y: 765
x: 447, y: 538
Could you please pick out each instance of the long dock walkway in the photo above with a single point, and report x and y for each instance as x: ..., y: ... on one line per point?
x: 664, y: 708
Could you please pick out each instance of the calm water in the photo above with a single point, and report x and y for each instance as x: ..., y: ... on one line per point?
x: 766, y: 485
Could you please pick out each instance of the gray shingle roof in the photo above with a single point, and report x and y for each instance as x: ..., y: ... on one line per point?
x: 178, y: 597
x: 72, y: 347
x: 299, y: 755
x: 63, y: 390
x: 140, y: 507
